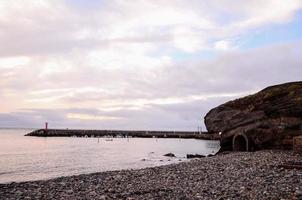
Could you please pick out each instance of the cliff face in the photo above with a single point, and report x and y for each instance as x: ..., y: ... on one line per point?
x: 267, y: 119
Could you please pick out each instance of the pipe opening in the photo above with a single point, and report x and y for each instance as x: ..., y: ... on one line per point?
x: 240, y: 143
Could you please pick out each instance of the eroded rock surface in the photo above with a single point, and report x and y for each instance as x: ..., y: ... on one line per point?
x: 267, y: 119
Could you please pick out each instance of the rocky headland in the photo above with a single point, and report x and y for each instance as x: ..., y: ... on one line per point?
x: 269, y: 119
x: 237, y: 175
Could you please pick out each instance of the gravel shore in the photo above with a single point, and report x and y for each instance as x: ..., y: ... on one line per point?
x: 237, y: 175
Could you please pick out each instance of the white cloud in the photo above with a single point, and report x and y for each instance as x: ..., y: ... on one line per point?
x: 122, y: 57
x: 12, y: 62
x: 90, y: 117
x: 52, y: 27
x: 222, y: 45
x: 188, y: 40
x: 263, y: 12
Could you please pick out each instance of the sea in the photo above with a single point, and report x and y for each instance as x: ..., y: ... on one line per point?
x: 27, y: 158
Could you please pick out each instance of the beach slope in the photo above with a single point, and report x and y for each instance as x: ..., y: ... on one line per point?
x: 237, y: 175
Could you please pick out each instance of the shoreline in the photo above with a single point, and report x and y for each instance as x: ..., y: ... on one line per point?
x: 236, y: 175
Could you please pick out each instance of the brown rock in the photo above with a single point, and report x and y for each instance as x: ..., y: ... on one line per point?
x: 267, y: 119
x: 297, y: 142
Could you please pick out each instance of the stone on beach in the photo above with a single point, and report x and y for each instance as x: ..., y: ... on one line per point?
x: 238, y: 175
x: 195, y: 156
x: 169, y: 155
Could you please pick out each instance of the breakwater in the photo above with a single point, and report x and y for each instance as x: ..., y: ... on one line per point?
x: 121, y: 133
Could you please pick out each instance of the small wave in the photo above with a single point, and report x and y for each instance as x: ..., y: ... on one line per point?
x: 9, y: 172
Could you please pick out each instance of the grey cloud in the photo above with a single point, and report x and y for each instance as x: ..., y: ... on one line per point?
x: 234, y: 72
x: 52, y: 37
x: 181, y: 116
x: 54, y: 29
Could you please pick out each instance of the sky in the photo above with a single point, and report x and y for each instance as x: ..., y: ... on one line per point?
x: 140, y: 64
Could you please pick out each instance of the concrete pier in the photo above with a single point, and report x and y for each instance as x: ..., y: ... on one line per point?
x: 121, y: 133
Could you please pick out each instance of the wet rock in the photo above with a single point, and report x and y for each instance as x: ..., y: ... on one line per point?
x: 195, y: 156
x: 169, y: 155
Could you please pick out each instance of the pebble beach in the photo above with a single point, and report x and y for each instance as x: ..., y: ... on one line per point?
x: 234, y: 175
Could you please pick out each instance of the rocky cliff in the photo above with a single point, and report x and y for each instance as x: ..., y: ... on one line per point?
x: 267, y: 119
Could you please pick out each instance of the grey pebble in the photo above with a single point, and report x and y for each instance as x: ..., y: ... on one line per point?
x: 237, y: 175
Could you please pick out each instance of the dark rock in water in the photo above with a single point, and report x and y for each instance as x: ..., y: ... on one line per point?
x: 195, y: 156
x: 170, y: 155
x: 267, y: 119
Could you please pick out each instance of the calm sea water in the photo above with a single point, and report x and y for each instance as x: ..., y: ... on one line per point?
x: 34, y: 158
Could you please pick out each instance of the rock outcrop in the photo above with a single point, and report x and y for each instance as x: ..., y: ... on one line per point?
x: 195, y: 156
x: 267, y: 119
x: 169, y: 155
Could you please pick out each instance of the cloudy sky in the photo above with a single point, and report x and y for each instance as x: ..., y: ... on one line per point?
x: 140, y: 64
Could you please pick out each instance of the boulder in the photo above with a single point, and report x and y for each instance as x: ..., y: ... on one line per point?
x: 169, y: 155
x: 195, y: 156
x: 267, y: 119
